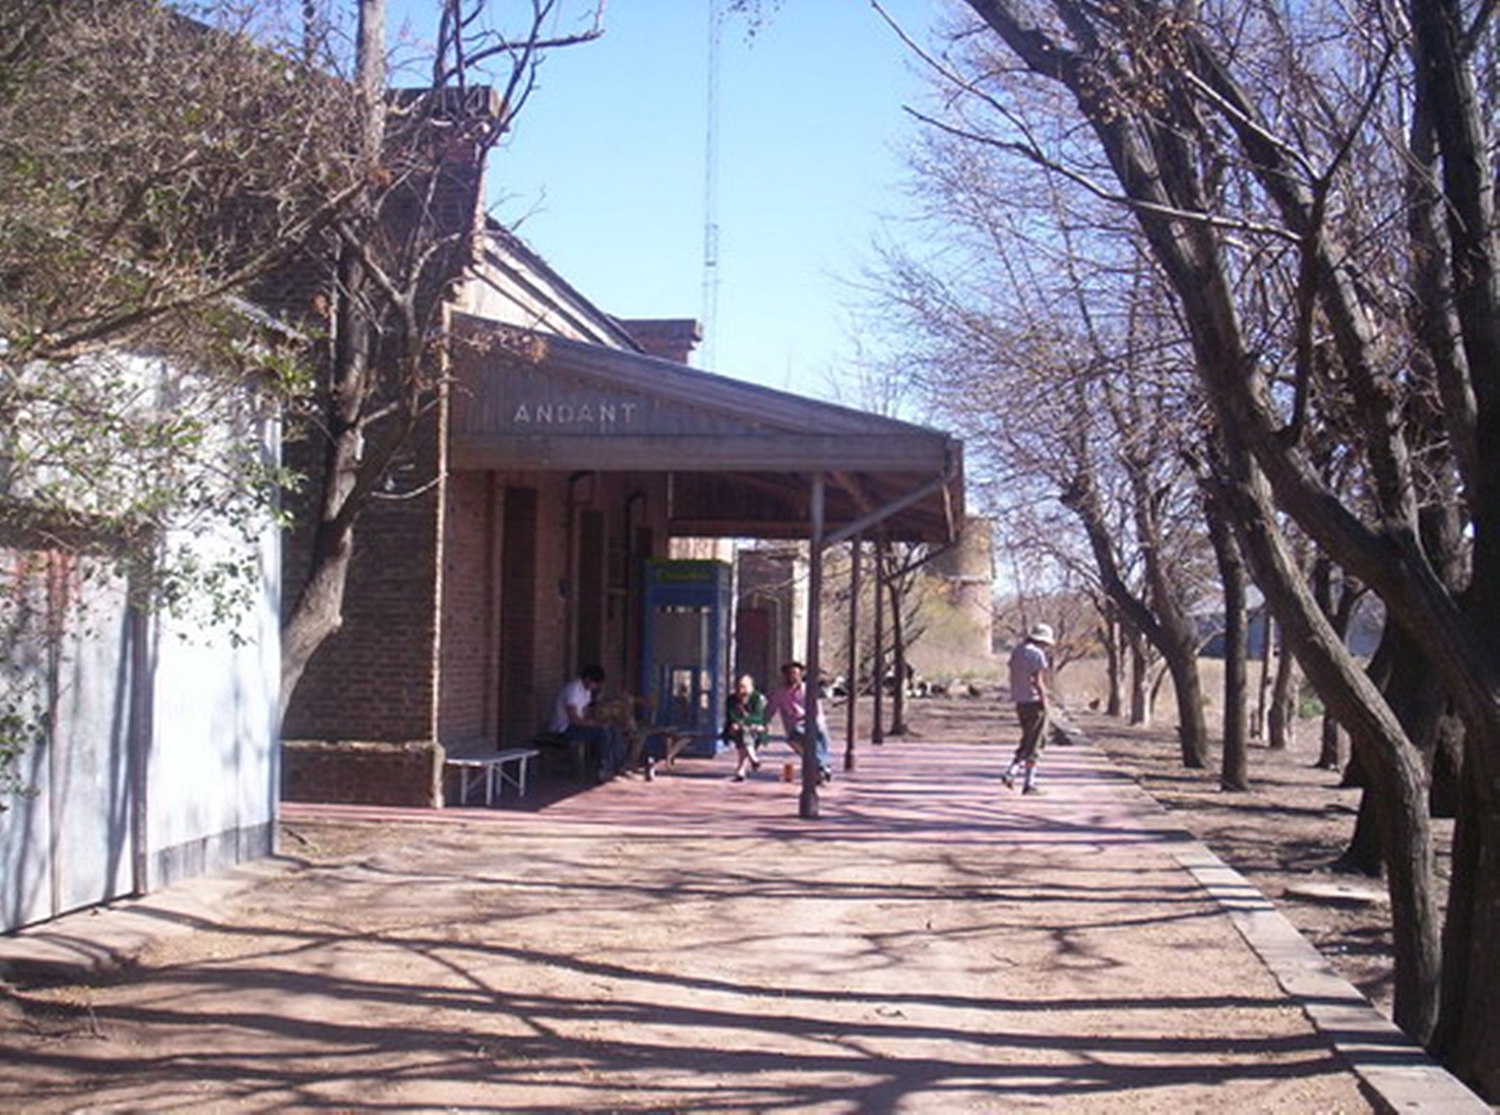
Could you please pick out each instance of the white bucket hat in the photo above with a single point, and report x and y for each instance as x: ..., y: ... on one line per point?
x: 1041, y: 633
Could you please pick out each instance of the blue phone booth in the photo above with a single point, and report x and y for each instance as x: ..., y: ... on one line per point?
x: 685, y: 651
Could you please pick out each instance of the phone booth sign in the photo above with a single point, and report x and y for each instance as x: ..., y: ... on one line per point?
x: 685, y: 651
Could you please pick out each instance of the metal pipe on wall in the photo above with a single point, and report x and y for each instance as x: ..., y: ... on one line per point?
x: 142, y: 700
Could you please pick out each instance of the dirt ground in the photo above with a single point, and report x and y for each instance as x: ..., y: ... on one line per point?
x: 1283, y: 835
x: 683, y: 946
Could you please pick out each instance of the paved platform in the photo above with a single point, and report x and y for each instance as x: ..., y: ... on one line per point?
x: 930, y: 943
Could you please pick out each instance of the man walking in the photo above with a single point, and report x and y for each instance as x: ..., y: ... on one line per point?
x: 1028, y: 689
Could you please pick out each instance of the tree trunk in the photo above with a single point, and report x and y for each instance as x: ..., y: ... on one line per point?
x: 1398, y: 777
x: 1140, y: 682
x: 1176, y: 632
x: 898, y: 660
x: 1362, y: 855
x: 1234, y: 774
x: 1470, y: 1022
x: 1115, y: 659
x: 1163, y: 622
x: 1330, y: 749
x: 1192, y: 725
x: 1470, y: 1018
x: 318, y: 611
x: 1282, y: 716
x: 877, y: 667
x: 1262, y: 716
x: 1341, y: 615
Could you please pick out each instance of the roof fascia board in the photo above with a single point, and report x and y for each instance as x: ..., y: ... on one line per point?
x: 762, y: 452
x: 900, y: 529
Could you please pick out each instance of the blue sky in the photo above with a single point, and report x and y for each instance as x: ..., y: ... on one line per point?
x: 604, y: 175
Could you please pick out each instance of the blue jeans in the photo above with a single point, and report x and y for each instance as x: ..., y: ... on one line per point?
x: 820, y: 746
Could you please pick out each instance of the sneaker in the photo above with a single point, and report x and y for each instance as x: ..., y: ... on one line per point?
x: 650, y: 770
x: 1032, y: 790
x: 825, y: 775
x: 1008, y: 780
x: 737, y: 777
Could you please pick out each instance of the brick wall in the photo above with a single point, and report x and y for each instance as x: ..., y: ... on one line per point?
x: 467, y: 680
x: 669, y: 338
x: 395, y: 672
x: 363, y: 773
x: 374, y: 678
x: 630, y: 502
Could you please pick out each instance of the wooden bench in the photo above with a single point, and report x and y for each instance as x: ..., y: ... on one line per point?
x: 673, y: 741
x: 492, y: 772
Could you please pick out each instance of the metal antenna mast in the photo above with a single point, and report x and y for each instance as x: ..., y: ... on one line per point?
x: 711, y: 188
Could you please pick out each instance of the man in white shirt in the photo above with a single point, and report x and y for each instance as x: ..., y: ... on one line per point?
x: 571, y: 720
x: 1028, y: 689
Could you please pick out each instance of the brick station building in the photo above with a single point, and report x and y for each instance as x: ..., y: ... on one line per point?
x: 568, y: 448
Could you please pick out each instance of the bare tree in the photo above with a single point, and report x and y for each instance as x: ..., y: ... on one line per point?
x: 1069, y: 385
x: 899, y: 568
x: 149, y: 168
x: 1173, y: 107
x: 394, y: 251
x: 1338, y: 596
x: 151, y: 171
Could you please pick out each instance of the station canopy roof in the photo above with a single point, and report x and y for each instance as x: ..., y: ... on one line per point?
x: 740, y: 457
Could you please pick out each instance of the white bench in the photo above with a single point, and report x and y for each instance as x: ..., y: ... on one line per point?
x: 491, y: 771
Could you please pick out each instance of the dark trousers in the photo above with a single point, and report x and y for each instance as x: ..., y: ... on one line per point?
x: 1033, y: 717
x: 604, y: 752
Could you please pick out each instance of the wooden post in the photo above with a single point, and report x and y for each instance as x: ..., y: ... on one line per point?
x: 808, y: 802
x: 877, y: 665
x: 852, y: 682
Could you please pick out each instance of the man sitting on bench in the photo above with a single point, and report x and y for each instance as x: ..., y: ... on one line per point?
x: 573, y: 720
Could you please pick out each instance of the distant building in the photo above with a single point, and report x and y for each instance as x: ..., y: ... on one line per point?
x: 961, y: 644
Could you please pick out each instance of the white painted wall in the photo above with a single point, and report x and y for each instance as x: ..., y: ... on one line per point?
x: 204, y: 724
x: 213, y: 769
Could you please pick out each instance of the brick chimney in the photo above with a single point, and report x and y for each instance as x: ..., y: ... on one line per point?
x: 669, y: 338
